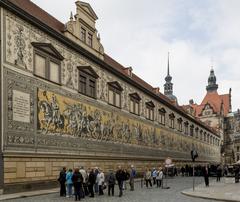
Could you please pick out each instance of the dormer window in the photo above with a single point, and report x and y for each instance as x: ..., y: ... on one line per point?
x: 135, y: 103
x: 90, y: 39
x: 87, y: 81
x: 114, y: 94
x: 47, y: 62
x: 150, y: 110
x: 83, y: 34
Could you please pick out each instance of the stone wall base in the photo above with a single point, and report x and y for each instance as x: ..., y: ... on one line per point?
x: 29, y: 186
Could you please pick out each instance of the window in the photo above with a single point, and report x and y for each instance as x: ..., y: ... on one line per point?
x: 201, y: 134
x: 89, y: 40
x: 171, y: 120
x: 237, y: 148
x: 47, y: 62
x: 150, y: 110
x: 87, y: 81
x: 204, y: 137
x: 191, y: 130
x: 83, y: 34
x: 162, y: 113
x: 114, y: 94
x: 186, y: 128
x: 179, y: 121
x: 196, y: 132
x: 135, y: 103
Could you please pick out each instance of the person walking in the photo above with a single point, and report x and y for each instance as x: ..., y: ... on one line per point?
x: 206, y: 175
x: 126, y: 177
x: 111, y: 182
x: 77, y: 183
x: 62, y: 181
x: 148, y: 176
x: 100, y: 180
x: 69, y: 182
x: 159, y: 177
x: 120, y: 176
x: 132, y: 176
x: 91, y: 182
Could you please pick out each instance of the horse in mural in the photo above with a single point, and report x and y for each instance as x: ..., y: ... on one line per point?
x: 49, y: 117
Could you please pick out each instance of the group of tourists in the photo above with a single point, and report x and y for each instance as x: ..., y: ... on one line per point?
x: 156, y: 175
x: 92, y: 181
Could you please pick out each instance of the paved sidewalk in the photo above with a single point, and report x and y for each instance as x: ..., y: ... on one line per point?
x: 226, y: 190
x: 27, y: 194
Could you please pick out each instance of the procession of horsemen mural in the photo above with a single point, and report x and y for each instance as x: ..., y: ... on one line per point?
x: 60, y: 115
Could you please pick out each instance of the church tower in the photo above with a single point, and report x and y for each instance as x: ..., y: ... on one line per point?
x: 212, y: 86
x: 168, y: 86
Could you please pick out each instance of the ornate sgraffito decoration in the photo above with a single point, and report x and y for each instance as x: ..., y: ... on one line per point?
x: 20, y: 46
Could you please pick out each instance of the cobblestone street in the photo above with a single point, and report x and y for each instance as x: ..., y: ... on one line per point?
x: 154, y: 194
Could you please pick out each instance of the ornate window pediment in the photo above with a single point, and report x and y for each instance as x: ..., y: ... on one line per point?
x: 49, y: 49
x: 150, y: 104
x: 88, y: 70
x: 116, y: 85
x: 135, y: 96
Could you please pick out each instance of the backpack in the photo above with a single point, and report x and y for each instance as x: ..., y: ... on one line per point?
x: 111, y: 179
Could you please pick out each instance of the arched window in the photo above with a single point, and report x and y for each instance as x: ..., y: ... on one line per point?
x: 171, y: 120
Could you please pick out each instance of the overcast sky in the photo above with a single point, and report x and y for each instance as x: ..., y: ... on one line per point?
x: 139, y: 33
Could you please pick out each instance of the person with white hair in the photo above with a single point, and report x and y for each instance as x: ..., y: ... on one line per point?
x: 132, y: 176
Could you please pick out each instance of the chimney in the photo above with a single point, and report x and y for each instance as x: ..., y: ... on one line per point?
x: 129, y: 70
x: 156, y: 90
x: 191, y: 102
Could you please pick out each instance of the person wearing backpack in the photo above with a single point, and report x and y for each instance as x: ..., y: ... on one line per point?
x: 111, y: 182
x: 77, y: 183
x: 62, y: 181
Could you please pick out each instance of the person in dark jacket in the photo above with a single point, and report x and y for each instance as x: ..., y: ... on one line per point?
x: 62, y: 181
x: 111, y: 180
x: 91, y: 182
x: 77, y: 183
x: 219, y: 173
x: 120, y: 176
x: 206, y: 175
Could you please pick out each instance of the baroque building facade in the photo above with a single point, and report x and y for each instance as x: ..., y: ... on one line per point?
x: 65, y: 102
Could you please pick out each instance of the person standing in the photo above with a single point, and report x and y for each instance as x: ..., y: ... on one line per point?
x: 159, y: 177
x: 219, y: 173
x: 62, y: 181
x: 77, y: 183
x: 154, y: 175
x: 69, y: 182
x: 96, y: 171
x: 84, y: 190
x: 111, y: 182
x: 132, y: 176
x: 91, y: 182
x: 148, y: 176
x: 206, y: 175
x: 120, y: 176
x: 100, y: 180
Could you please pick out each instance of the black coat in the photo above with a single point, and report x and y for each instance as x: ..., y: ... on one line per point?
x: 120, y: 175
x: 77, y: 178
x: 91, y: 178
x: 62, y: 176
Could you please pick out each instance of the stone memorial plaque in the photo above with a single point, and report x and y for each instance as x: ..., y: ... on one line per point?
x: 21, y: 106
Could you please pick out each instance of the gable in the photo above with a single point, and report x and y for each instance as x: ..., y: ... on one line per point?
x: 150, y: 104
x: 88, y: 9
x: 48, y: 48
